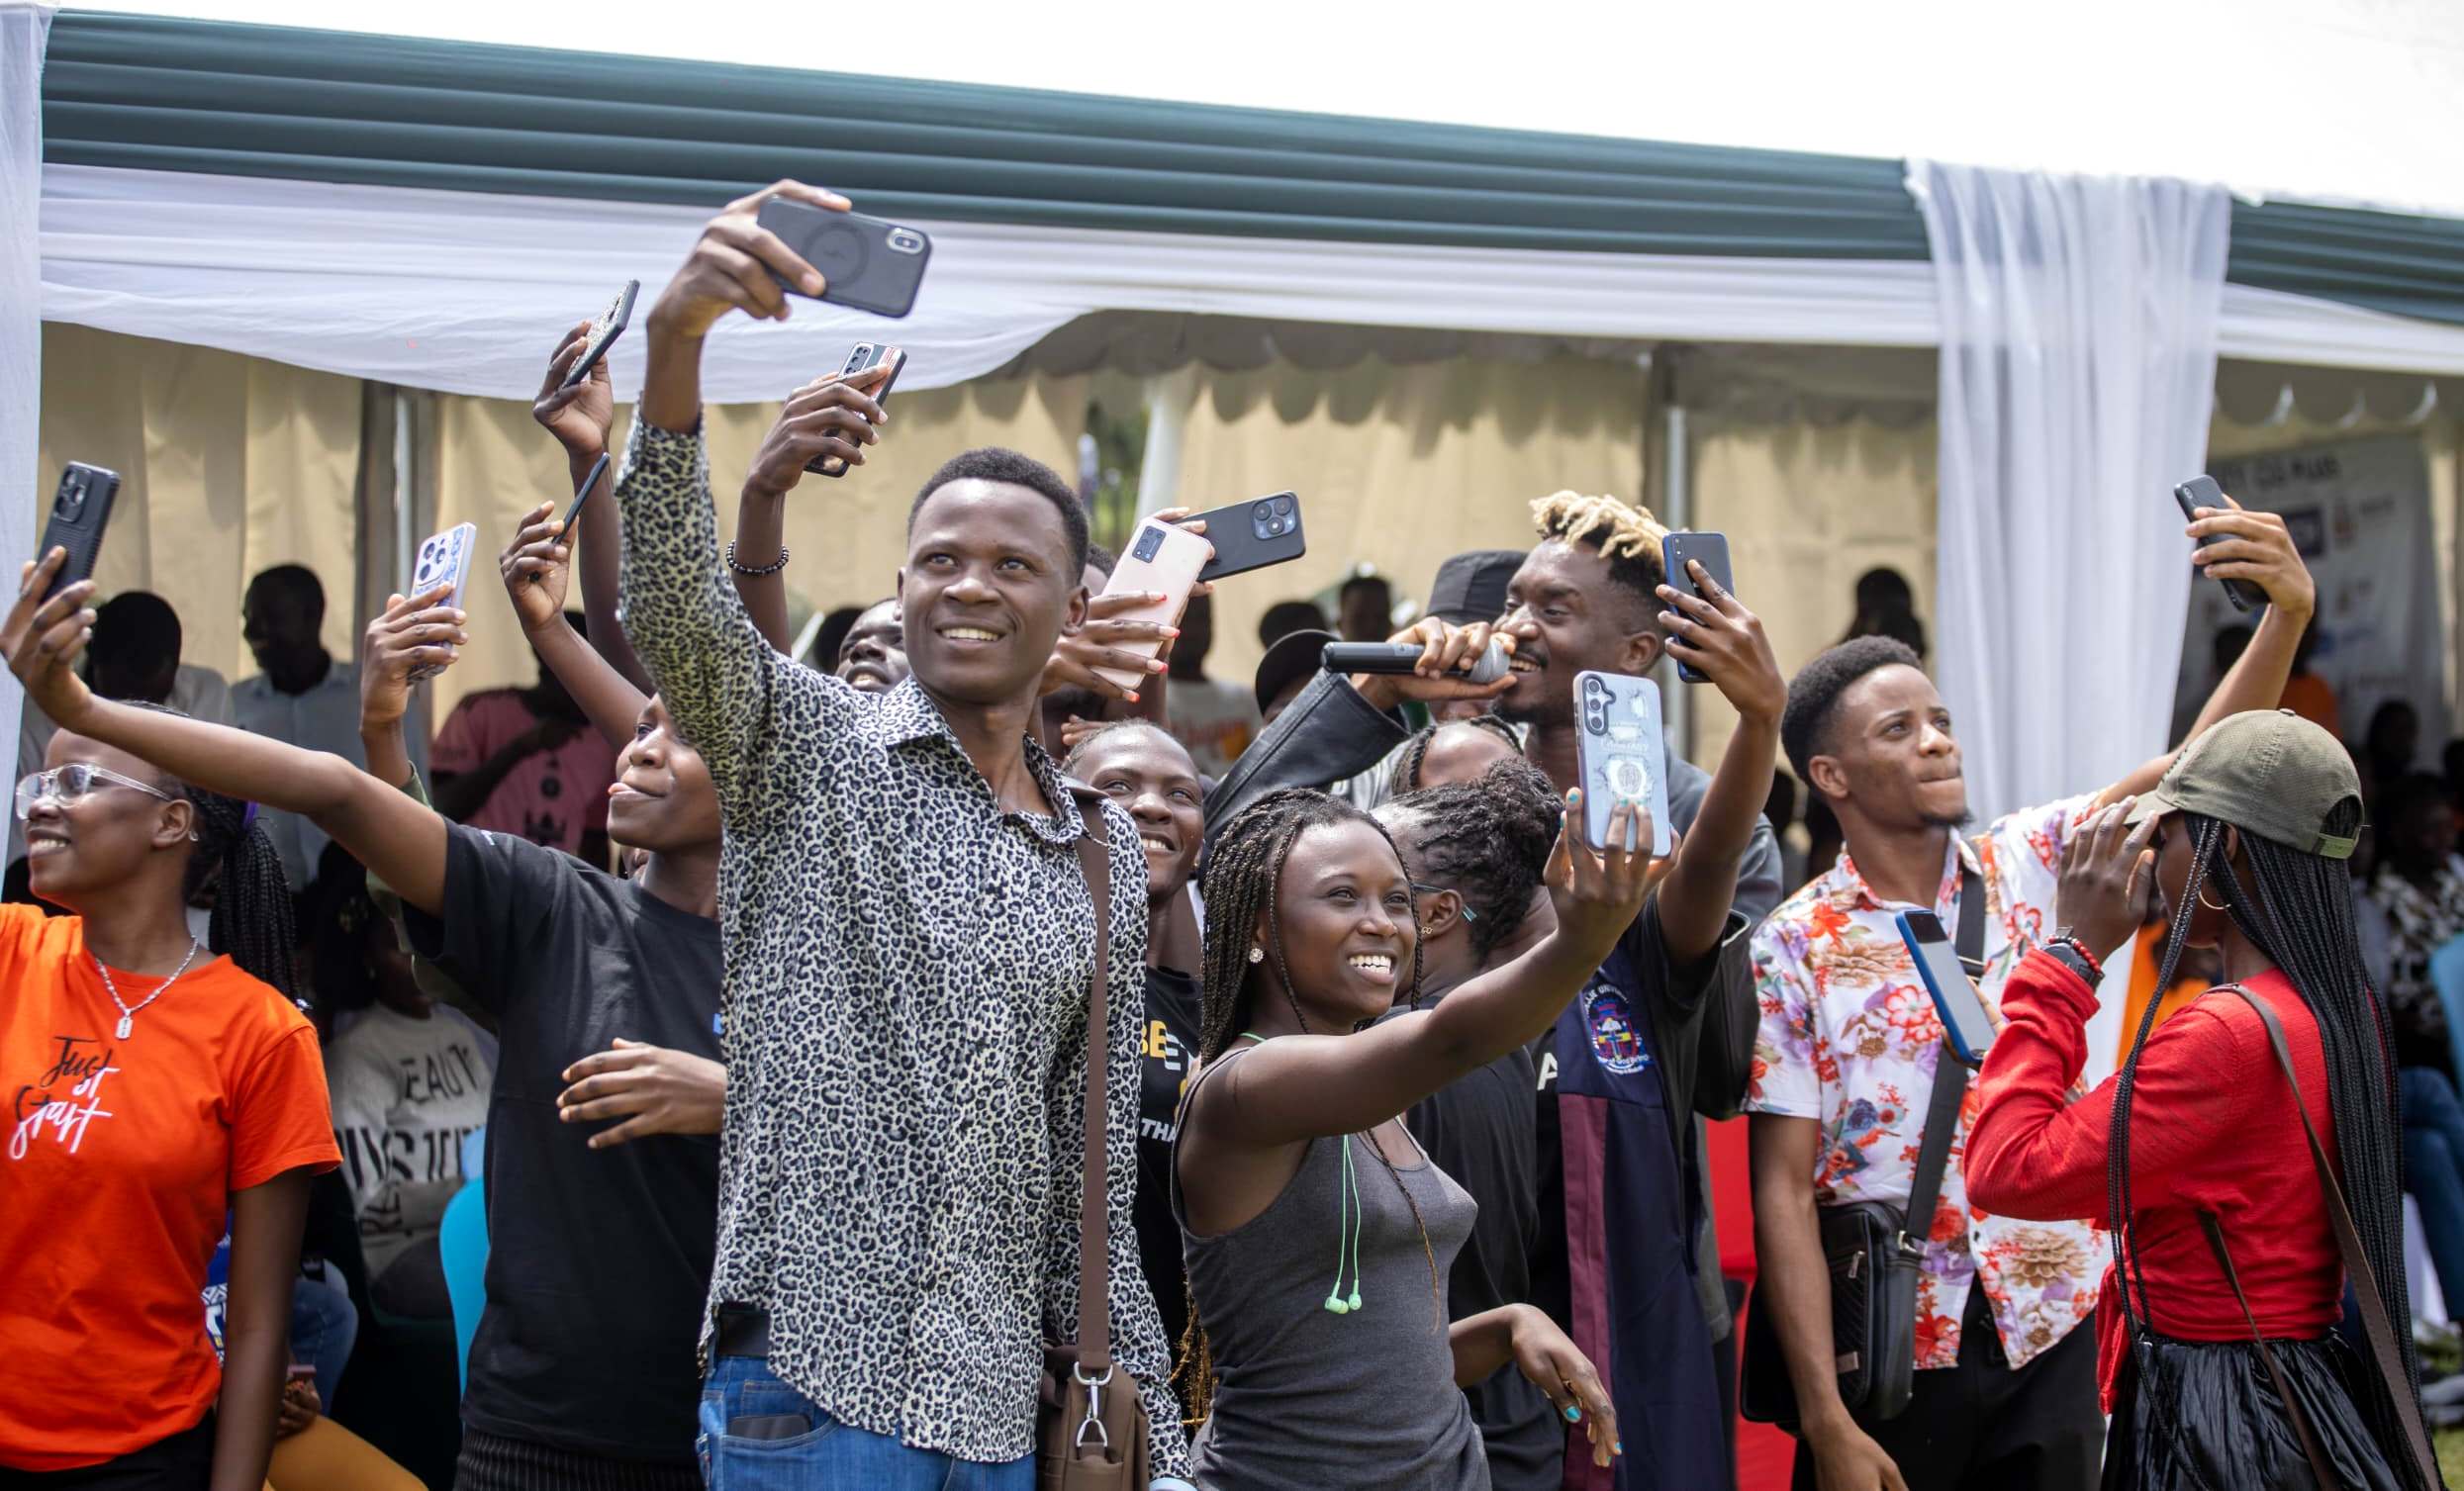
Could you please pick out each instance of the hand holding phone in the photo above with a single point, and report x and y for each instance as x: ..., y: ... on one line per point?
x: 444, y: 560
x: 1164, y: 560
x: 2203, y: 492
x: 1711, y: 551
x: 1251, y: 535
x: 80, y: 510
x: 867, y: 356
x: 865, y: 262
x: 1621, y: 753
x: 604, y: 332
x: 1966, y: 1023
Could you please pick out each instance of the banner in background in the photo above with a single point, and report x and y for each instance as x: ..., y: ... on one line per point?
x: 2359, y: 510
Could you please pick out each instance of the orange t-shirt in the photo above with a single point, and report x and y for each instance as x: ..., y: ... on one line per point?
x: 116, y: 1175
x: 2313, y: 699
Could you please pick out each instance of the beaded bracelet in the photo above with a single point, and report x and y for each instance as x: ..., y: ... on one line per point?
x: 746, y: 569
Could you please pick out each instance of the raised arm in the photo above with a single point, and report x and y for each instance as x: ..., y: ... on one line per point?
x: 1716, y: 635
x: 2257, y: 547
x: 830, y: 417
x: 1302, y: 1087
x: 537, y: 567
x: 394, y: 837
x: 711, y: 664
x: 580, y: 418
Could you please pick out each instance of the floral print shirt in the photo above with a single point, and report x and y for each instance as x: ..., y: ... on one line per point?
x: 1849, y: 1037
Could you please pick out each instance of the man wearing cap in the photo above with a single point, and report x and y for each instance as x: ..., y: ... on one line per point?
x: 1849, y: 1046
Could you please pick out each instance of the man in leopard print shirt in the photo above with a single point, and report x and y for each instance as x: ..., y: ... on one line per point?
x: 909, y: 942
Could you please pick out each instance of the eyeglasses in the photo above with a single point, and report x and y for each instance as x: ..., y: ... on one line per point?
x: 1422, y: 889
x: 66, y: 785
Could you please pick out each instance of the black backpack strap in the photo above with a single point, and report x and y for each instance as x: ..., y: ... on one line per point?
x: 1951, y: 1081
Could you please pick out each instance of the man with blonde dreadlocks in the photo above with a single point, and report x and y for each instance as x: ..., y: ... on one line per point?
x: 1659, y: 1033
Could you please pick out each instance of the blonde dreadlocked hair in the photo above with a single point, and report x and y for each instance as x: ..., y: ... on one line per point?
x: 1627, y: 537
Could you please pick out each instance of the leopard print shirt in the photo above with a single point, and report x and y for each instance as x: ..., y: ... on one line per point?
x: 904, y: 1021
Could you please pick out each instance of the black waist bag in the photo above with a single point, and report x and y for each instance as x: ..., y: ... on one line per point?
x: 1874, y: 1257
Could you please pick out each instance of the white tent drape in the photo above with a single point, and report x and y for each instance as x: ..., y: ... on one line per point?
x: 2078, y: 366
x: 24, y: 27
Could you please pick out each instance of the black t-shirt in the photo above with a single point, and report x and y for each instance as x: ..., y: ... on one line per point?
x: 1164, y: 1056
x: 1482, y: 1131
x: 599, y: 1260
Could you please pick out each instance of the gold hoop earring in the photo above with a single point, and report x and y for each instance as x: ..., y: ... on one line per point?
x: 2210, y: 905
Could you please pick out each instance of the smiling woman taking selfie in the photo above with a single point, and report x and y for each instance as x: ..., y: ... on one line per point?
x: 159, y: 1086
x: 2247, y: 1152
x: 1319, y: 1352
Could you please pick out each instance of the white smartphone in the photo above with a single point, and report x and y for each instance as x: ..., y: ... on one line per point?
x: 1622, y: 753
x: 1161, y: 557
x: 444, y: 558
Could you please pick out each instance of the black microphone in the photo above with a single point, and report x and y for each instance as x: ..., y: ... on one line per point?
x: 1404, y: 657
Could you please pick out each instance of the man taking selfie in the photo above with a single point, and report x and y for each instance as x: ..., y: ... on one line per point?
x: 909, y: 940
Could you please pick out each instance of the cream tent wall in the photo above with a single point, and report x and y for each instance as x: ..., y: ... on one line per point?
x: 227, y: 465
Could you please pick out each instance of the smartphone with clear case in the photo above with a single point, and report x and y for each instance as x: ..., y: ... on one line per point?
x: 1621, y: 754
x: 446, y: 557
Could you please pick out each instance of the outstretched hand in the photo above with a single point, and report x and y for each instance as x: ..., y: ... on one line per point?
x: 2257, y: 547
x: 537, y: 568
x: 42, y: 637
x: 831, y: 417
x: 1711, y: 631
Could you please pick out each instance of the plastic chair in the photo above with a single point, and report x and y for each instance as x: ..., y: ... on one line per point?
x: 2446, y: 975
x: 462, y: 1246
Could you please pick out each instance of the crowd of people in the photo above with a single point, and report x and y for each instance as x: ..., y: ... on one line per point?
x: 813, y: 1015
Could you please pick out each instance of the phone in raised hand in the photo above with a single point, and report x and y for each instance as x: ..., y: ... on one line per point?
x: 865, y: 262
x: 2203, y: 492
x: 1161, y: 557
x: 1621, y: 754
x: 443, y: 558
x: 604, y: 332
x: 80, y: 510
x: 1253, y: 534
x: 867, y: 356
x: 1710, y: 550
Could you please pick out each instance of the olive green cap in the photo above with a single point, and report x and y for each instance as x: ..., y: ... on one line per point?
x: 2268, y: 772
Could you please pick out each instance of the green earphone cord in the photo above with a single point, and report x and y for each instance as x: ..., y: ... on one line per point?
x: 1336, y: 1303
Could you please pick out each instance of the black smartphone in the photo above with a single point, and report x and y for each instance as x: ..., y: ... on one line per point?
x: 79, y: 511
x: 1710, y: 550
x: 604, y: 332
x: 1253, y: 534
x: 590, y: 484
x: 865, y: 262
x: 866, y: 356
x: 2202, y: 492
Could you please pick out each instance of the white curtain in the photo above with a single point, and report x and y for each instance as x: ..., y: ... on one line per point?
x: 23, y: 30
x: 2078, y: 366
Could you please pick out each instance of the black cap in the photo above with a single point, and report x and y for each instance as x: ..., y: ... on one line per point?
x: 1473, y: 586
x: 1294, y: 655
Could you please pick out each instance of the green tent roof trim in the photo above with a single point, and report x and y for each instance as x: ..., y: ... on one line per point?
x: 182, y: 95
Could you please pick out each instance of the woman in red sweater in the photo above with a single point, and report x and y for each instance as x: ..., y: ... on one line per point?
x: 2247, y: 839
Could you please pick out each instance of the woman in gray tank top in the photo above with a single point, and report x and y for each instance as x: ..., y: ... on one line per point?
x: 1316, y: 1234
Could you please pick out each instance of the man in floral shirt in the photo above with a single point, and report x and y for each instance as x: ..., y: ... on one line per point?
x: 1845, y: 1057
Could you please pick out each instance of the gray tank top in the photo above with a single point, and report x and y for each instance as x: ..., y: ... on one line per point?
x: 1306, y: 1399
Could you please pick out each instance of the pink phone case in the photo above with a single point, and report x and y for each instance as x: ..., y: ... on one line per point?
x: 1161, y: 557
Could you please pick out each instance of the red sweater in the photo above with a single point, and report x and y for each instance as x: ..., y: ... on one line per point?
x: 2212, y: 1128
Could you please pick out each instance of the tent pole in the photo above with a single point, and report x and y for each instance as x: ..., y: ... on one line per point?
x: 1169, y: 398
x: 1676, y: 512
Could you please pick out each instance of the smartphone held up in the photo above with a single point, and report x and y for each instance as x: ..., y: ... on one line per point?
x: 80, y: 510
x: 445, y: 559
x: 2203, y: 492
x: 867, y: 356
x: 1622, y: 755
x: 1163, y: 558
x: 1710, y: 550
x: 605, y: 330
x: 865, y: 262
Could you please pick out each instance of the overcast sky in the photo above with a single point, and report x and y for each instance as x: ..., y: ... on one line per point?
x: 2327, y: 99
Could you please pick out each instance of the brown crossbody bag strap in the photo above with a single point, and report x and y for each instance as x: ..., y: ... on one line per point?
x: 1094, y: 1237
x: 2386, y: 1358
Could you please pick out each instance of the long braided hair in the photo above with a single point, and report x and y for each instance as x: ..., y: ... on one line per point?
x: 251, y: 921
x: 1242, y: 872
x: 1406, y: 777
x: 2299, y: 912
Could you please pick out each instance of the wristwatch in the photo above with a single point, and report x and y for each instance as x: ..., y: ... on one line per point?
x: 2073, y: 955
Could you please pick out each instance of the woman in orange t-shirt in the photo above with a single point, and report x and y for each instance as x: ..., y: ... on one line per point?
x: 153, y: 1087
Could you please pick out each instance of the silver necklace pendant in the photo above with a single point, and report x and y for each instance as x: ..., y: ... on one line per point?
x: 126, y: 1025
x: 127, y: 1016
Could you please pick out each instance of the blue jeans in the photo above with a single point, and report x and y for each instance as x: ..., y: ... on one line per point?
x: 825, y: 1454
x: 2433, y: 1170
x: 323, y: 1324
